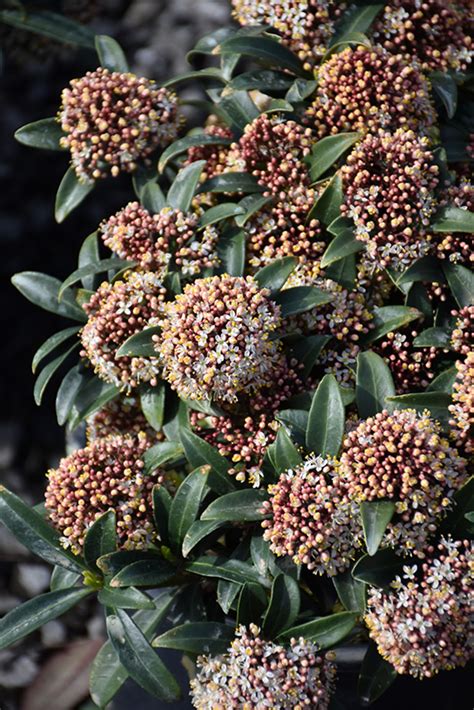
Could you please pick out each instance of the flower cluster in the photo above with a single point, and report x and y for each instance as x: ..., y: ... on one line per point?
x: 456, y: 246
x: 116, y: 312
x: 462, y: 337
x: 388, y: 191
x: 462, y: 407
x: 366, y: 89
x: 112, y: 120
x: 215, y: 155
x: 311, y: 518
x: 260, y: 674
x: 304, y: 25
x: 106, y: 475
x: 432, y: 33
x: 424, y: 625
x: 412, y: 368
x: 216, y: 338
x: 119, y: 417
x: 403, y: 457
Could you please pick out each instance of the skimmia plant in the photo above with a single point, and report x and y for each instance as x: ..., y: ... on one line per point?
x: 269, y: 351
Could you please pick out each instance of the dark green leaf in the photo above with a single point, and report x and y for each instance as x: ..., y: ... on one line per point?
x: 28, y: 617
x: 49, y: 24
x: 455, y: 521
x: 327, y: 207
x: 231, y: 182
x: 375, y: 516
x: 294, y: 419
x: 326, y: 631
x: 446, y: 88
x: 266, y: 49
x: 92, y: 269
x: 436, y: 402
x: 42, y: 290
x: 100, y: 538
x: 197, y: 638
x: 300, y: 90
x: 183, y: 188
x: 343, y: 271
x: 357, y: 19
x: 380, y: 569
x: 341, y: 246
x: 220, y: 212
x: 350, y: 591
x: 308, y: 349
x: 237, y: 109
x: 265, y: 80
x: 444, y: 381
x: 139, y: 659
x: 461, y: 283
x: 129, y: 598
x: 89, y: 254
x: 183, y: 144
x: 284, y: 606
x: 152, y: 401
x: 390, y: 318
x: 453, y: 219
x: 262, y: 557
x: 326, y: 419
x: 232, y: 570
x: 426, y: 269
x: 185, y: 505
x: 433, y: 337
x: 300, y: 299
x: 327, y: 150
x: 144, y: 573
x: 199, y: 530
x: 111, y: 55
x: 44, y: 134
x: 51, y: 344
x: 62, y: 578
x: 275, y: 274
x: 152, y: 197
x: 207, y: 73
x: 161, y: 512
x: 244, y: 505
x: 231, y: 250
x: 33, y: 532
x: 376, y: 676
x: 140, y: 344
x: 90, y: 398
x: 251, y: 204
x: 71, y: 192
x: 47, y: 373
x: 163, y: 452
x: 251, y: 604
x: 115, y: 562
x: 199, y: 453
x: 346, y: 40
x: 286, y: 454
x: 374, y: 383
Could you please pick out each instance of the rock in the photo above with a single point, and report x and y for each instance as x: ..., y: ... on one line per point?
x: 16, y: 671
x: 53, y: 634
x: 31, y: 579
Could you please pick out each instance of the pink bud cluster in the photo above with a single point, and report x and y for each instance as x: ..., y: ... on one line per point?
x: 119, y: 417
x: 106, y: 475
x: 425, y: 625
x: 112, y: 120
x: 216, y: 340
x: 432, y: 33
x: 462, y: 407
x: 404, y: 458
x: 214, y: 155
x: 155, y: 240
x: 388, y: 185
x: 311, y: 518
x: 412, y: 368
x: 260, y: 674
x: 116, y: 312
x: 462, y: 337
x: 456, y: 246
x: 366, y: 89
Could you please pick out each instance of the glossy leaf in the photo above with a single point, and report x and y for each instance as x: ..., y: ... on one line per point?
x: 327, y: 207
x: 89, y: 254
x: 326, y: 419
x: 144, y: 573
x: 152, y: 402
x: 199, y: 453
x: 42, y: 290
x: 220, y: 212
x: 275, y: 275
x: 100, y: 538
x: 300, y: 299
x: 375, y: 516
x: 286, y: 455
x: 152, y: 197
x: 90, y: 270
x: 251, y: 205
x: 356, y: 19
x: 426, y: 269
x: 455, y: 522
x: 350, y: 591
x: 308, y: 349
x: 185, y: 505
x: 197, y: 637
x: 374, y: 384
x: 129, y: 598
x: 433, y: 337
x: 453, y: 219
x: 184, y: 186
x: 71, y: 192
x: 161, y: 511
x: 47, y: 373
x: 328, y: 150
x: 266, y: 80
x: 50, y: 24
x: 232, y: 570
x: 62, y: 578
x: 45, y: 134
x: 379, y: 569
x: 444, y: 381
x: 284, y: 606
x: 161, y: 453
x: 197, y: 532
x: 237, y: 109
x: 251, y: 604
x: 28, y: 617
x: 445, y: 87
x: 244, y: 505
x: 183, y: 144
x: 140, y: 344
x: 390, y: 318
x: 139, y: 659
x: 230, y: 183
x: 376, y: 676
x: 111, y: 55
x: 264, y: 48
x: 326, y: 631
x: 341, y: 246
x: 436, y: 402
x: 461, y: 283
x: 51, y: 344
x: 231, y: 251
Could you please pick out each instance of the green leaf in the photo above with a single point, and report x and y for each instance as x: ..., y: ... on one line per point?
x: 207, y: 73
x: 183, y: 188
x: 49, y: 24
x: 100, y: 538
x: 252, y: 602
x: 327, y: 207
x: 296, y: 420
x: 139, y: 659
x: 341, y: 246
x: 390, y: 318
x: 284, y: 606
x: 244, y: 505
x: 356, y: 19
x: 140, y: 344
x: 42, y: 290
x: 275, y: 274
x: 326, y: 631
x: 231, y: 182
x: 433, y: 337
x: 115, y: 562
x: 231, y: 251
x: 111, y: 55
x: 251, y: 204
x: 51, y: 344
x: 30, y: 528
x: 461, y: 283
x: 185, y: 505
x: 144, y: 573
x: 63, y: 579
x: 237, y: 109
x: 374, y: 383
x: 264, y: 48
x: 71, y: 192
x: 444, y: 381
x: 161, y: 512
x: 426, y: 269
x: 90, y: 398
x: 220, y: 212
x: 286, y: 454
x: 183, y: 144
x: 327, y: 150
x: 445, y: 87
x: 455, y: 521
x: 152, y: 402
x: 376, y: 676
x: 345, y: 40
x: 375, y: 516
x: 343, y: 272
x: 199, y: 453
x: 197, y: 637
x: 380, y: 569
x: 163, y: 452
x: 152, y: 197
x: 232, y: 570
x: 300, y: 299
x: 44, y: 134
x: 266, y: 80
x: 28, y: 617
x: 307, y: 350
x: 107, y: 673
x: 89, y: 254
x: 47, y: 373
x: 436, y: 402
x: 199, y: 530
x: 300, y: 89
x: 98, y: 267
x: 129, y: 598
x: 326, y: 419
x: 350, y: 591
x: 453, y: 219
